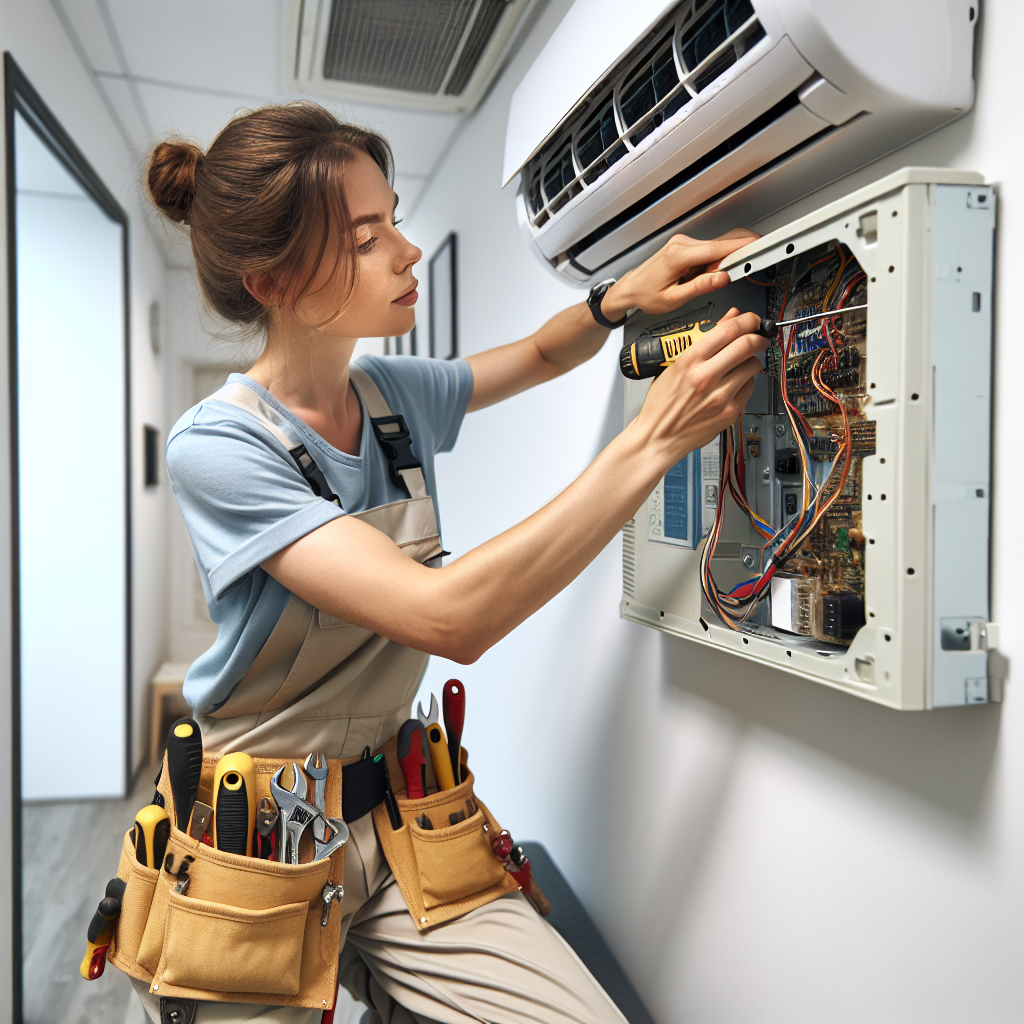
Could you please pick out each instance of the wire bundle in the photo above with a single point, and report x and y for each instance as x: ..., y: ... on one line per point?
x: 735, y: 606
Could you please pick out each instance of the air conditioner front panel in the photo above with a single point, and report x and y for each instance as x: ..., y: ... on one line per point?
x: 857, y: 67
x: 755, y: 89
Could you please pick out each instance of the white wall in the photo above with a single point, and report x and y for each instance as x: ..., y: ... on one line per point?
x: 756, y: 848
x: 31, y: 32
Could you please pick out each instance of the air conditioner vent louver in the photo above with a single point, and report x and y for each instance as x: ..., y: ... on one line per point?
x: 690, y: 49
x: 480, y: 35
x: 401, y: 44
x: 432, y: 54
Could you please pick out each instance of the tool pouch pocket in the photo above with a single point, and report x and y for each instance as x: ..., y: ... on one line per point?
x: 138, y: 897
x: 244, y: 930
x: 441, y: 857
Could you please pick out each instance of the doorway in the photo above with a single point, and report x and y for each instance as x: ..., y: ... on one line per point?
x: 70, y: 554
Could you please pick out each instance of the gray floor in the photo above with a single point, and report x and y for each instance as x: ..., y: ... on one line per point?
x: 69, y: 852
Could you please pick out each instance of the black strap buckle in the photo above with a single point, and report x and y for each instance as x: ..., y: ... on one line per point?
x: 174, y: 1010
x: 397, y: 447
x: 314, y: 474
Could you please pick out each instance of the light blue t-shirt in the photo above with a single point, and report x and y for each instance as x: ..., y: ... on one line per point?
x: 244, y: 498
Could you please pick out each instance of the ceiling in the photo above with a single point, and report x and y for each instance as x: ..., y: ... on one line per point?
x: 185, y: 67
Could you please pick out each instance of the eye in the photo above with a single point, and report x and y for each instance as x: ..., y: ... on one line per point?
x: 396, y: 222
x: 367, y: 245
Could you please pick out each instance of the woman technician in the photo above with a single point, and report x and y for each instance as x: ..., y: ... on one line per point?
x: 312, y: 518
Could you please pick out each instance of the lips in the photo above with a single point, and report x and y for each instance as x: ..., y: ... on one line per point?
x: 408, y: 299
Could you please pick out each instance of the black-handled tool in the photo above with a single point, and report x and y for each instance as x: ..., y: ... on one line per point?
x: 650, y: 356
x: 184, y: 766
x: 152, y: 830
x: 101, y: 929
x: 265, y: 840
x: 389, y: 797
x: 234, y: 803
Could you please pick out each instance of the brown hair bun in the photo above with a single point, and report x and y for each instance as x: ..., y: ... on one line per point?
x: 171, y: 177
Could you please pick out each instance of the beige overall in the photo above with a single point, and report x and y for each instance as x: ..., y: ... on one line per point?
x: 322, y: 684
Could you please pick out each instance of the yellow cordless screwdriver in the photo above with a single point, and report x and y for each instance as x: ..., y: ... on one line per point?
x: 234, y: 803
x: 650, y: 356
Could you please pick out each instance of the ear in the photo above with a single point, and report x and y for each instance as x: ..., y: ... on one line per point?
x: 263, y: 288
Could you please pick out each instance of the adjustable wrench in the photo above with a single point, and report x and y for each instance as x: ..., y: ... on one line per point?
x: 295, y: 813
x: 315, y: 766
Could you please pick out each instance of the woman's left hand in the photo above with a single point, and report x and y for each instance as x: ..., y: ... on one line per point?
x: 682, y: 270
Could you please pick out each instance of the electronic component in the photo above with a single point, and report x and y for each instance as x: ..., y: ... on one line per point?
x: 842, y: 615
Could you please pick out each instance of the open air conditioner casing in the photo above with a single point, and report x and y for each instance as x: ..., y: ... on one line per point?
x: 927, y: 642
x: 821, y: 89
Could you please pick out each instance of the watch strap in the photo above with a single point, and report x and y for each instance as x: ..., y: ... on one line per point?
x: 597, y: 293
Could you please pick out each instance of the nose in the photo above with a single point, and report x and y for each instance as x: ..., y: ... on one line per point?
x: 409, y: 255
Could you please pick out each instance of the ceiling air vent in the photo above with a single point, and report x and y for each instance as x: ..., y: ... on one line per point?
x: 430, y: 54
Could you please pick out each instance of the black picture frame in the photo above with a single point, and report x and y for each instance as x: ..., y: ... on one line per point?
x: 151, y: 456
x: 20, y: 96
x: 443, y: 296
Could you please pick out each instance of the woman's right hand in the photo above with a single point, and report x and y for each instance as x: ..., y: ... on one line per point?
x: 705, y: 390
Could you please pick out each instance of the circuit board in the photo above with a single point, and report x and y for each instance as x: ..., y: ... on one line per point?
x: 791, y: 471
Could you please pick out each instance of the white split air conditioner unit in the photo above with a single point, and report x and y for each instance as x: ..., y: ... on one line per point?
x: 645, y: 118
x: 439, y: 55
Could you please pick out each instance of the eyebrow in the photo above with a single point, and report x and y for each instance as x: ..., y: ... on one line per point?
x: 374, y: 218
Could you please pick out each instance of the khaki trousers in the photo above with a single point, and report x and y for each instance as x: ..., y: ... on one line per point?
x: 500, y: 964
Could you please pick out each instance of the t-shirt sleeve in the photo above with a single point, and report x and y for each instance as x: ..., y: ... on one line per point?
x: 435, y: 391
x: 242, y: 497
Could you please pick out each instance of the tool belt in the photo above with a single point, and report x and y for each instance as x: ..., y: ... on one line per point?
x: 247, y: 930
x: 449, y: 868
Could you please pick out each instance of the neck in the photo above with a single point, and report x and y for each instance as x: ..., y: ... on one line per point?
x: 308, y: 371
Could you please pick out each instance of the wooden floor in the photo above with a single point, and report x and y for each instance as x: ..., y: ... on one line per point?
x: 69, y: 853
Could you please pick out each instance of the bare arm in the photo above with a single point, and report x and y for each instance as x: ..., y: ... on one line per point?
x: 682, y: 270
x: 356, y: 573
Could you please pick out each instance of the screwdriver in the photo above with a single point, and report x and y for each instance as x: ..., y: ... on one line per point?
x: 152, y: 829
x: 648, y: 357
x: 101, y: 929
x: 234, y: 797
x: 184, y: 766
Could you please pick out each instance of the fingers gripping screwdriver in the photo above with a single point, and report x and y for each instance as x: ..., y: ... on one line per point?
x: 650, y: 356
x: 453, y: 702
x: 234, y: 803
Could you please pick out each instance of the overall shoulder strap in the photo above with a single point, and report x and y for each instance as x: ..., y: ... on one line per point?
x: 392, y: 435
x: 283, y: 431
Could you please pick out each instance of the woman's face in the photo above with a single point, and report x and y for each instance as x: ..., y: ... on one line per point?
x: 381, y: 305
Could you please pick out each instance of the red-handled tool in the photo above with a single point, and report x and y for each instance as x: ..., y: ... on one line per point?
x: 453, y: 701
x: 412, y: 756
x: 517, y: 864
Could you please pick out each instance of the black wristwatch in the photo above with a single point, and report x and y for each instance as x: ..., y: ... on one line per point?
x: 597, y: 293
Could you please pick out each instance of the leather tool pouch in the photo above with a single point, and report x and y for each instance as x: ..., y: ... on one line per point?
x: 246, y: 930
x: 449, y: 869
